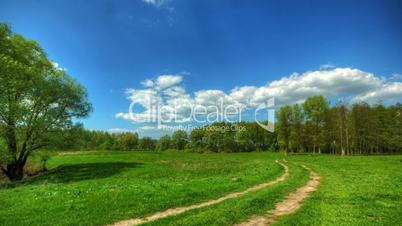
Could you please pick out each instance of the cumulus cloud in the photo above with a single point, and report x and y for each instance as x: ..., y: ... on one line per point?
x: 168, y: 94
x: 166, y: 81
x: 387, y: 92
x: 163, y: 81
x: 329, y: 83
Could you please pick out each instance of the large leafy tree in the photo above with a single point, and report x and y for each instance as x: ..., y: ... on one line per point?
x: 36, y: 98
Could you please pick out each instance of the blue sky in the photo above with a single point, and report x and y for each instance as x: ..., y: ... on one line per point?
x: 217, y: 45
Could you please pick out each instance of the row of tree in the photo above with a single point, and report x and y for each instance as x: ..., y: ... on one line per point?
x: 218, y: 137
x: 232, y: 137
x: 314, y: 126
x: 77, y: 138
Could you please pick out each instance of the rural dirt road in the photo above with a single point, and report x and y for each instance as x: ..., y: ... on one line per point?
x: 291, y: 203
x: 178, y: 210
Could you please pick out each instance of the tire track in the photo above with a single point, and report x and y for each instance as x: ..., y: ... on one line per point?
x: 289, y: 205
x: 179, y: 210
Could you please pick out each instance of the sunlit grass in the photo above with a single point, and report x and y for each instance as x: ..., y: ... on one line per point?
x: 355, y: 190
x: 103, y: 187
x: 99, y: 188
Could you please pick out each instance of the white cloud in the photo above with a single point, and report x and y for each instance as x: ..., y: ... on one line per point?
x: 396, y: 76
x: 166, y: 81
x: 387, y: 92
x: 143, y: 96
x: 156, y: 3
x: 167, y: 92
x: 329, y: 83
x: 147, y: 83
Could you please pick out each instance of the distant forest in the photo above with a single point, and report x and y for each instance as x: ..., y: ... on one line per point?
x: 313, y: 126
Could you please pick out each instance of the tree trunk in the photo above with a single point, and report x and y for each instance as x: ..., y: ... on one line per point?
x: 15, y: 168
x: 15, y: 171
x: 313, y: 147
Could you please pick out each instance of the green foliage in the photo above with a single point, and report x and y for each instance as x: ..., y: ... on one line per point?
x: 357, y: 129
x: 197, y: 140
x: 126, y: 141
x: 147, y: 144
x: 3, y: 152
x: 315, y: 108
x: 297, y: 119
x: 231, y: 137
x: 284, y: 126
x: 179, y: 139
x: 164, y: 143
x: 44, y: 156
x: 36, y: 99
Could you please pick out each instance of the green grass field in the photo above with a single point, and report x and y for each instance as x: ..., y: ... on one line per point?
x: 99, y: 188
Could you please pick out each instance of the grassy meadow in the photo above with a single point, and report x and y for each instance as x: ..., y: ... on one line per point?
x: 99, y: 188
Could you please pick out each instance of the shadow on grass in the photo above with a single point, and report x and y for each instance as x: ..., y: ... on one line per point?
x: 76, y: 172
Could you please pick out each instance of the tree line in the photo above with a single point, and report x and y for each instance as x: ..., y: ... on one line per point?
x: 312, y: 126
x: 360, y: 128
x: 78, y: 138
x: 218, y: 137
